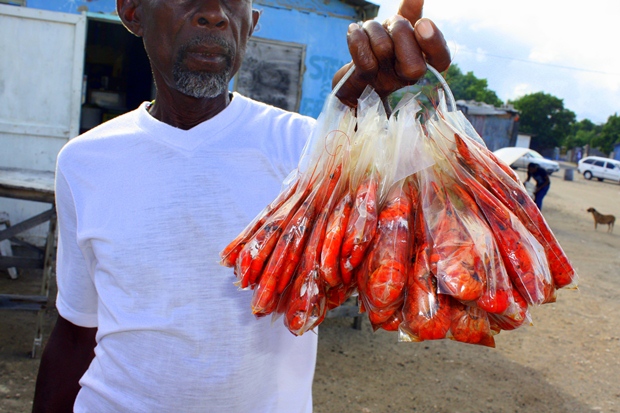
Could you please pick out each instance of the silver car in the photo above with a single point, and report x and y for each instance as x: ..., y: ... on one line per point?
x: 531, y: 156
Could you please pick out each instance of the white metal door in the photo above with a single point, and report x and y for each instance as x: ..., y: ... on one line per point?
x: 40, y: 90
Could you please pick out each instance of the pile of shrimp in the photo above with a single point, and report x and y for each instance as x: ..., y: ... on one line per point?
x: 436, y: 236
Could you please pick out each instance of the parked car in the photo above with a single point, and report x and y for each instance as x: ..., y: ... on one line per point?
x: 599, y: 168
x: 531, y: 156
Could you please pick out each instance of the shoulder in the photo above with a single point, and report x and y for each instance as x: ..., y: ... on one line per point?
x: 275, y: 115
x: 103, y: 134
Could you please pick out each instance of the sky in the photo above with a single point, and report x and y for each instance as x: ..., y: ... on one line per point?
x: 531, y: 46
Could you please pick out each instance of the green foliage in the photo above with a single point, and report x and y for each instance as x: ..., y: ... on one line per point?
x: 545, y: 117
x: 580, y: 138
x: 610, y: 134
x: 469, y: 87
x: 582, y: 133
x: 466, y: 87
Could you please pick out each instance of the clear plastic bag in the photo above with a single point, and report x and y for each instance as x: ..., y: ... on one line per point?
x: 523, y: 256
x: 367, y: 182
x: 382, y: 276
x: 502, y: 181
x: 426, y: 313
x: 435, y: 234
x: 269, y: 250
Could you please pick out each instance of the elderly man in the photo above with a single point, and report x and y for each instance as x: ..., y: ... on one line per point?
x: 148, y: 320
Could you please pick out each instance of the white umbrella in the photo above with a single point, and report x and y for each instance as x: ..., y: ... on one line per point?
x: 511, y: 154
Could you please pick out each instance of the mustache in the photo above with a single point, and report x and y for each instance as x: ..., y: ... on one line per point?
x: 206, y: 39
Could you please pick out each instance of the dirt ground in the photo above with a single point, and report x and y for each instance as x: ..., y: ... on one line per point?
x: 568, y: 361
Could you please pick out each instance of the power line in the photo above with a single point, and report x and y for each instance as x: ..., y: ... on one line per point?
x: 542, y: 64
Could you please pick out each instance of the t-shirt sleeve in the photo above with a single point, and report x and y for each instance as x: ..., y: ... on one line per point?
x: 77, y: 296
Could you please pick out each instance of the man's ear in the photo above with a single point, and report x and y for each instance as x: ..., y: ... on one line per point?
x: 130, y: 14
x: 255, y: 16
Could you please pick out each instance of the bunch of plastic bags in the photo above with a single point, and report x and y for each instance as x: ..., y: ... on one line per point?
x: 437, y: 237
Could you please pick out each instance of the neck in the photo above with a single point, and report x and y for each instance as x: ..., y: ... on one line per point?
x: 185, y: 112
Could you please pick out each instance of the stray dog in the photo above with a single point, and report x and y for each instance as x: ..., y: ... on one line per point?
x: 599, y: 218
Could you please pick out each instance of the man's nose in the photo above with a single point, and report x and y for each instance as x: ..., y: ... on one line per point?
x: 211, y: 15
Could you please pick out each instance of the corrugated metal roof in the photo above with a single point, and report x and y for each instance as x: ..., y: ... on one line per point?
x: 369, y: 9
x: 346, y: 9
x: 471, y: 107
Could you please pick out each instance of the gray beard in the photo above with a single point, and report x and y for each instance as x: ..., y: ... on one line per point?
x: 202, y: 84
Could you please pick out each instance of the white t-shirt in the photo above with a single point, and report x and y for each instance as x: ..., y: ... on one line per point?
x: 144, y: 209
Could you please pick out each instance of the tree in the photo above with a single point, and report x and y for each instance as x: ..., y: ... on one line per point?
x: 583, y: 133
x: 610, y: 134
x: 466, y: 87
x: 469, y: 87
x: 544, y: 116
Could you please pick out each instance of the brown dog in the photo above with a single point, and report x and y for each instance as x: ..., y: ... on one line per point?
x: 599, y: 218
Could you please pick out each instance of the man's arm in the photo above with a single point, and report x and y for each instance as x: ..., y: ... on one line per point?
x: 66, y: 357
x: 545, y: 182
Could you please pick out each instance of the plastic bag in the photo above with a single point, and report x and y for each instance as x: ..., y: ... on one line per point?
x: 426, y: 314
x: 382, y: 277
x: 434, y: 233
x: 504, y: 184
x: 283, y: 262
x: 268, y: 251
x: 368, y: 153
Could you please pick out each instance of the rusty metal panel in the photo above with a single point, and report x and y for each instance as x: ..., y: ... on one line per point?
x: 496, y: 131
x: 272, y: 72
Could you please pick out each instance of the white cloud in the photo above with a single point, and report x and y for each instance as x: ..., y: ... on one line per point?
x: 564, y: 43
x: 521, y: 90
x: 481, y: 55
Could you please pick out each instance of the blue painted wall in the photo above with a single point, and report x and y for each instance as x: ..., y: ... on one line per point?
x: 326, y: 49
x: 320, y: 25
x: 74, y: 6
x: 616, y: 153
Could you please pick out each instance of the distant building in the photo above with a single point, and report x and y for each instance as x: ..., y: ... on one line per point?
x: 523, y: 140
x: 616, y: 153
x: 498, y: 127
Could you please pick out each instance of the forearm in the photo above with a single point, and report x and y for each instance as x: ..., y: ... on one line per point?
x: 542, y: 186
x: 65, y: 359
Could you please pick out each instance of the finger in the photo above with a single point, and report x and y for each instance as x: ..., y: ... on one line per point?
x: 366, y: 66
x: 433, y: 44
x: 361, y: 49
x: 351, y: 90
x: 411, y: 10
x: 380, y: 43
x: 409, y: 60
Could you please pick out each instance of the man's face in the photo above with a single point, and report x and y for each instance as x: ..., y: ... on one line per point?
x: 196, y: 46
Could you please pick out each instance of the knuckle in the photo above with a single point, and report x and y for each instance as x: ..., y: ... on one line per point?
x: 364, y: 59
x: 398, y: 26
x: 383, y: 48
x: 412, y: 73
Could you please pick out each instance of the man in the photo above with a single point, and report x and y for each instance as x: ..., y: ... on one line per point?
x: 148, y: 320
x: 543, y: 182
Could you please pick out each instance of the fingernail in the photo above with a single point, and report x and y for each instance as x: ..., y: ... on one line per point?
x: 353, y: 27
x: 425, y: 29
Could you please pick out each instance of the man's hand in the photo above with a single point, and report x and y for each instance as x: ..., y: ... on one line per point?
x: 392, y: 55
